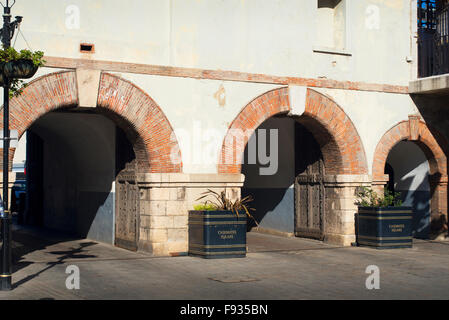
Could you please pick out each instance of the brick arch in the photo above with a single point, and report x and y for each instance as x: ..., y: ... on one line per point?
x: 434, y: 146
x: 156, y: 138
x: 340, y: 143
x: 143, y: 121
x: 250, y: 117
x: 426, y: 138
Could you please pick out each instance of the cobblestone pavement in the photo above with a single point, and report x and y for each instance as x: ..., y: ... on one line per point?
x: 275, y: 268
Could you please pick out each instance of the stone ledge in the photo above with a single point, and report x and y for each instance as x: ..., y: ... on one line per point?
x: 173, y: 180
x: 347, y: 179
x: 435, y: 84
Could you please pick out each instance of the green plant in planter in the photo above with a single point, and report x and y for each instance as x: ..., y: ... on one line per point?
x: 204, y: 207
x: 223, y: 203
x: 218, y: 227
x: 17, y: 65
x: 367, y: 197
x: 383, y: 222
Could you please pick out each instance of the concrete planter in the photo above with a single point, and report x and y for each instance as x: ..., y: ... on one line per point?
x: 385, y: 228
x: 217, y: 234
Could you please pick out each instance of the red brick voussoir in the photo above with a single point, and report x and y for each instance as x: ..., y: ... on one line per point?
x: 341, y: 146
x: 143, y: 121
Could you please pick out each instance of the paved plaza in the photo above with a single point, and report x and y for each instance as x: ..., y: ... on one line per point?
x: 275, y: 268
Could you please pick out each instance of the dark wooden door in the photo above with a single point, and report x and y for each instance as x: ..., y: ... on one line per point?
x: 126, y: 194
x: 309, y: 187
x: 127, y: 209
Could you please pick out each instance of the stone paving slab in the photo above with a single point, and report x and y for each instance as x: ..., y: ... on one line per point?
x: 283, y: 268
x: 260, y: 242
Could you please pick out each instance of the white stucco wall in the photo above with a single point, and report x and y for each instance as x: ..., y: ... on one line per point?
x: 272, y: 37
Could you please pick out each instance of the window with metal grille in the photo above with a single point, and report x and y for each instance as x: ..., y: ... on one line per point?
x: 433, y: 37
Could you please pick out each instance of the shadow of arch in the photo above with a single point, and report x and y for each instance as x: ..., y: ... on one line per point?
x: 435, y: 147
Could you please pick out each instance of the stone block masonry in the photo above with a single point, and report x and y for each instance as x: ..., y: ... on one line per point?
x: 166, y: 198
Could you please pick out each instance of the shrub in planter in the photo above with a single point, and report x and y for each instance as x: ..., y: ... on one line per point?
x: 217, y: 229
x: 382, y: 222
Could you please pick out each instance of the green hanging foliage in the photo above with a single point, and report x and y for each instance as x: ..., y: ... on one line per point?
x: 10, y: 54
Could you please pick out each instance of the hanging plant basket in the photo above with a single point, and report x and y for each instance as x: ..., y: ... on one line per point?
x: 20, y: 69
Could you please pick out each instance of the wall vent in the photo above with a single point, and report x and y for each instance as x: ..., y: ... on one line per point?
x: 87, y: 48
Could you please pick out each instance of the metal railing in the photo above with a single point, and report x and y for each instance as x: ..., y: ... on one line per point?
x: 433, y: 43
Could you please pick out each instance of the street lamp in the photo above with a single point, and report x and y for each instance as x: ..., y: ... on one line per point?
x: 7, y: 33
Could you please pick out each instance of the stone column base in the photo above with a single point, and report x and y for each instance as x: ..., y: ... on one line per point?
x: 344, y: 240
x: 166, y: 198
x: 340, y: 207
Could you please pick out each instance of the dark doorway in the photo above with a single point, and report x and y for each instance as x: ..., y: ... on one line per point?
x: 290, y: 201
x: 73, y: 161
x: 273, y: 192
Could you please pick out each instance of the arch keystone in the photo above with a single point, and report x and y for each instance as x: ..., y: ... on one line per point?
x: 88, y: 82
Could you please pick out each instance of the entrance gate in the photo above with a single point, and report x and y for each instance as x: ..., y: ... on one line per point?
x: 127, y: 194
x: 127, y: 209
x: 309, y: 187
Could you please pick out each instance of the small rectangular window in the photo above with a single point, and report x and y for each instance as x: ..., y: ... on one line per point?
x: 87, y: 48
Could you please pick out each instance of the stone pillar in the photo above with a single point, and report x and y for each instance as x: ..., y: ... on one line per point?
x: 380, y: 183
x: 340, y: 207
x: 166, y: 198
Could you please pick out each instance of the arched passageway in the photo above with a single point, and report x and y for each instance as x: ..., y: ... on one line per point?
x: 73, y: 160
x: 409, y: 175
x: 296, y: 166
x: 417, y: 155
x: 83, y: 163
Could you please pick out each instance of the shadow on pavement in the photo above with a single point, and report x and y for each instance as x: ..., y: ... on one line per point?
x: 28, y: 240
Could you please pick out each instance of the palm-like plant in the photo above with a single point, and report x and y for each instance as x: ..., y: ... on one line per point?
x: 222, y: 202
